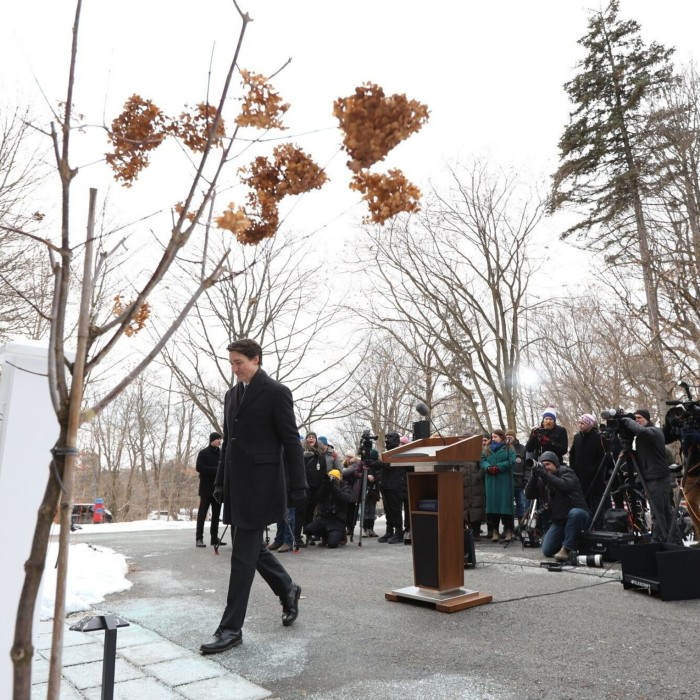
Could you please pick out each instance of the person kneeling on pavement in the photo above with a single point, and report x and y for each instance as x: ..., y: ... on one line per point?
x: 559, y: 491
x: 333, y: 497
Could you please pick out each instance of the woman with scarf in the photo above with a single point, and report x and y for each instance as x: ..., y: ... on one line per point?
x: 497, y: 461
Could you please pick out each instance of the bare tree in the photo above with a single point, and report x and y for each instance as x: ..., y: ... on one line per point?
x: 453, y: 281
x: 133, y: 135
x: 283, y: 303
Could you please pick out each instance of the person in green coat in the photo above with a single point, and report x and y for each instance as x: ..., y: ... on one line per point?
x: 497, y: 461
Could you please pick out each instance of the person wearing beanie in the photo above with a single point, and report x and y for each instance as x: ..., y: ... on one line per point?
x: 333, y: 498
x: 317, y: 463
x: 559, y: 493
x: 650, y: 447
x: 547, y: 436
x: 207, y: 464
x: 393, y: 490
x: 591, y: 461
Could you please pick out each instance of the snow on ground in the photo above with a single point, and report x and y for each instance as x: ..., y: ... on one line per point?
x: 94, y: 571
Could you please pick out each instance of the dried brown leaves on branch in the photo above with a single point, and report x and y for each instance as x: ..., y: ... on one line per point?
x: 289, y: 172
x: 140, y: 128
x: 373, y: 123
x: 140, y: 318
x: 262, y: 107
x: 194, y: 128
x: 386, y: 195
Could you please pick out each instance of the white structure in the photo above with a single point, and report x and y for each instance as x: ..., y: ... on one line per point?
x: 28, y: 431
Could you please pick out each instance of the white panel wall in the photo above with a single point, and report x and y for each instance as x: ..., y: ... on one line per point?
x: 28, y: 430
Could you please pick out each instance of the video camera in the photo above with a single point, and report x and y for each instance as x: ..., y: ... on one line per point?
x: 684, y: 414
x: 614, y: 424
x: 366, y: 445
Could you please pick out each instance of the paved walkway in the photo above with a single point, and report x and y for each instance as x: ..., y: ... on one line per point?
x: 148, y: 667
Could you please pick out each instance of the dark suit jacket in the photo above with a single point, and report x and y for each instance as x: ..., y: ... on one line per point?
x: 260, y: 432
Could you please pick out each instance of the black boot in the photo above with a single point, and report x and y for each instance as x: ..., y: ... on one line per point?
x: 387, y: 535
x: 396, y: 538
x: 216, y: 542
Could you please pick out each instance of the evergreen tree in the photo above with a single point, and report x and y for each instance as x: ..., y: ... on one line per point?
x: 604, y: 150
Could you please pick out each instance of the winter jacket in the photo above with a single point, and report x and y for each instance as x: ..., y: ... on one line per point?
x: 207, y: 464
x: 474, y: 493
x: 559, y: 492
x: 333, y: 496
x: 586, y: 459
x: 500, y: 459
x: 650, y: 448
x: 519, y: 471
x: 317, y: 465
x: 542, y: 439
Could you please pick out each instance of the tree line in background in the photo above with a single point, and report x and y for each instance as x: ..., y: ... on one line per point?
x: 449, y: 313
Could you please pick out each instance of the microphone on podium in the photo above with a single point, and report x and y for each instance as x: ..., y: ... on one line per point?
x: 424, y: 411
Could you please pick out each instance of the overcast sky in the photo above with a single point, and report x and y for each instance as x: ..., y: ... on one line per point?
x: 490, y: 72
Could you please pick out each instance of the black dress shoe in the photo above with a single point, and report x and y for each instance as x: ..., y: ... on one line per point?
x: 223, y: 641
x: 215, y: 542
x: 290, y: 606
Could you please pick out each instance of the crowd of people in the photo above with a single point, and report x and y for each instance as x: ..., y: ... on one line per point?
x: 499, y: 489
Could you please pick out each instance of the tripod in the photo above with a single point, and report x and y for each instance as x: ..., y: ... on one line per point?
x: 633, y: 500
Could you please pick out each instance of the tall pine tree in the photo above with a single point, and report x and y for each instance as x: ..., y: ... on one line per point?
x: 603, y: 151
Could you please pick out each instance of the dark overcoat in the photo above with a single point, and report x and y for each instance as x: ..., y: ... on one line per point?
x: 260, y: 432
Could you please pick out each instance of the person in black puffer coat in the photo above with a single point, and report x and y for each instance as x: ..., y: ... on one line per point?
x: 393, y: 490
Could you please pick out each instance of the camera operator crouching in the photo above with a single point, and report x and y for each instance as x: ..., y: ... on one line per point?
x: 559, y: 491
x: 333, y: 498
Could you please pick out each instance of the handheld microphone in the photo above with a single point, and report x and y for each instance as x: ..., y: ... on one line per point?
x: 424, y: 411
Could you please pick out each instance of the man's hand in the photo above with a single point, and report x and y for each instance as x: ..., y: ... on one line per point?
x: 297, y: 497
x: 539, y: 470
x: 219, y: 493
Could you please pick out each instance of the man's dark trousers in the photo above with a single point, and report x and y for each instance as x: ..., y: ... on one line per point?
x: 248, y: 555
x: 206, y: 502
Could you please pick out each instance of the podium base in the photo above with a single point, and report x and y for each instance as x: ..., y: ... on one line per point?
x: 443, y: 601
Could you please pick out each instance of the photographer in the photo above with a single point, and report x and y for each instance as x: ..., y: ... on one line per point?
x: 558, y: 490
x: 317, y: 464
x: 333, y: 498
x: 548, y: 437
x: 653, y: 465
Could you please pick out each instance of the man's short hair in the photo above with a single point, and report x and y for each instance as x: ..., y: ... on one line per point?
x: 247, y: 347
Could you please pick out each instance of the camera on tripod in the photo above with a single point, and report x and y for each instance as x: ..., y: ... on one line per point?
x: 615, y: 426
x: 366, y: 445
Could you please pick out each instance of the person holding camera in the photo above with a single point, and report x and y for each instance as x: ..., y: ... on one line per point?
x: 650, y: 446
x: 548, y: 437
x: 559, y: 491
x: 333, y: 498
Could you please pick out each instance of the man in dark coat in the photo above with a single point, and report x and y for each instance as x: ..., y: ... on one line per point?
x: 207, y: 464
x: 558, y: 489
x: 590, y: 460
x: 650, y: 446
x: 260, y: 432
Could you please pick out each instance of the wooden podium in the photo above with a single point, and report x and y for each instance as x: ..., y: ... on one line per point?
x: 435, y: 496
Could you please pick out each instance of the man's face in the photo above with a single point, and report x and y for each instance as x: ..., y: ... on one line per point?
x: 548, y: 423
x: 243, y: 367
x: 584, y: 427
x: 217, y: 442
x: 549, y: 466
x: 641, y: 419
